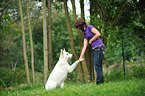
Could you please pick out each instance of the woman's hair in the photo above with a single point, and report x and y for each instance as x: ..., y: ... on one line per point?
x: 80, y: 23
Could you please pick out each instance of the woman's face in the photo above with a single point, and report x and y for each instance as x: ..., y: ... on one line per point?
x: 78, y: 28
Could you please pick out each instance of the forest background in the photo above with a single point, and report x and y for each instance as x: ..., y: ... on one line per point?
x: 32, y: 33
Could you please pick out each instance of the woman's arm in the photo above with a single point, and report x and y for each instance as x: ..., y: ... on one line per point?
x: 83, y: 49
x: 97, y: 34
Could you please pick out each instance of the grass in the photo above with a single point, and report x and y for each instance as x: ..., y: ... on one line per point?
x: 128, y: 87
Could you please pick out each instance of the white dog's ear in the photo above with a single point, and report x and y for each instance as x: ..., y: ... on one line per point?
x: 61, y: 52
x: 63, y: 49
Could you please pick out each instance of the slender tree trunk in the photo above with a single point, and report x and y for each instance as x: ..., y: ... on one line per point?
x: 49, y: 37
x: 80, y: 34
x: 92, y: 12
x: 105, y: 34
x: 89, y: 59
x: 31, y: 42
x: 80, y: 38
x: 69, y: 30
x: 84, y: 64
x: 45, y: 48
x: 88, y: 54
x: 24, y: 44
x: 82, y: 9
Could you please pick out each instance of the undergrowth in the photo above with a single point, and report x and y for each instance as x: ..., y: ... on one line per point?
x: 116, y: 84
x: 127, y: 87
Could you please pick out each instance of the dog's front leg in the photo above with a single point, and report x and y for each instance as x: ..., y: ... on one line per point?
x: 62, y: 84
x: 72, y: 67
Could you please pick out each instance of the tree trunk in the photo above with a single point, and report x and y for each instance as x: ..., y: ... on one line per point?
x: 80, y: 34
x: 45, y: 48
x: 92, y: 7
x: 31, y: 42
x: 24, y: 44
x: 84, y: 64
x: 82, y: 9
x: 86, y: 75
x: 89, y: 59
x: 88, y: 54
x: 70, y: 31
x: 49, y: 37
x: 105, y: 34
x: 80, y: 39
x: 92, y: 12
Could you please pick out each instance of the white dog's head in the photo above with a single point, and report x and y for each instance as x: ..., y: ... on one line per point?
x: 65, y: 55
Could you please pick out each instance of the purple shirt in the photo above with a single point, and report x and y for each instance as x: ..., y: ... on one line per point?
x: 88, y: 35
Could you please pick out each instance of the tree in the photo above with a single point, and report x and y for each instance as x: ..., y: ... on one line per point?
x: 31, y: 42
x: 88, y: 55
x: 49, y: 37
x: 86, y: 74
x: 24, y: 45
x: 45, y: 48
x: 80, y: 38
x: 69, y: 30
x: 105, y: 10
x: 82, y: 9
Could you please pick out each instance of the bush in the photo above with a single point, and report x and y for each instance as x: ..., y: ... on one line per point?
x: 137, y: 71
x: 10, y: 77
x: 116, y: 73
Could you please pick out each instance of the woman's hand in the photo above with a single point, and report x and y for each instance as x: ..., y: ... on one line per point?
x: 97, y: 34
x: 81, y: 59
x: 90, y: 42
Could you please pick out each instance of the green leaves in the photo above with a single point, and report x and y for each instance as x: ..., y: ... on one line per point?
x: 139, y: 24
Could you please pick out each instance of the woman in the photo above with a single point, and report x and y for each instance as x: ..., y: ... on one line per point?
x: 92, y: 35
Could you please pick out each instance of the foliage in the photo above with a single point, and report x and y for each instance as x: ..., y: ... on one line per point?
x: 131, y: 87
x: 11, y: 77
x: 129, y: 28
x: 137, y: 70
x: 132, y: 60
x: 115, y: 72
x: 120, y: 19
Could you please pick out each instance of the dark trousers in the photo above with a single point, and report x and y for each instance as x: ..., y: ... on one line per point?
x: 97, y: 60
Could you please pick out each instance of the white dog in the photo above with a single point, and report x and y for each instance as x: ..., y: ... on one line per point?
x: 60, y: 71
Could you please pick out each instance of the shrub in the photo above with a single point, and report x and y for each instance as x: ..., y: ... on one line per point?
x: 137, y: 71
x: 10, y: 77
x: 114, y: 74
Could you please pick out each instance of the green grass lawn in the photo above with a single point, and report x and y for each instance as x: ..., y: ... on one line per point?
x: 129, y: 87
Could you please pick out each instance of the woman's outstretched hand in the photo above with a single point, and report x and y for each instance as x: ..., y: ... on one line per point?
x: 81, y: 59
